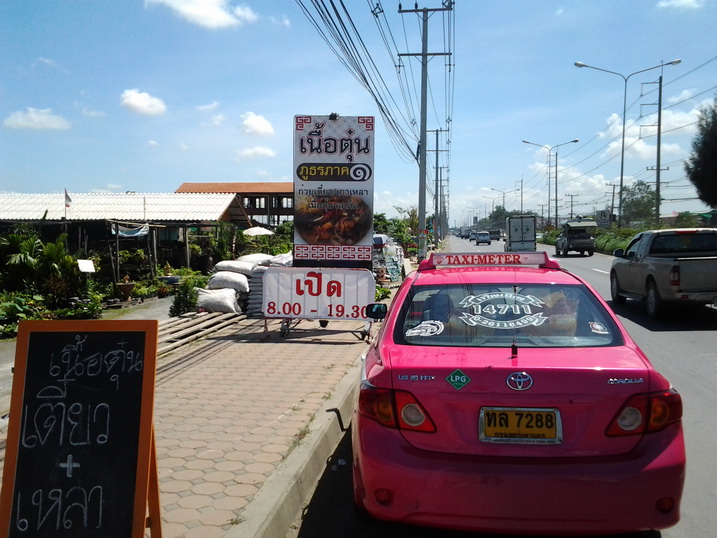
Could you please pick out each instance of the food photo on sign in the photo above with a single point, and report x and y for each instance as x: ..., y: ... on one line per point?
x: 335, y: 220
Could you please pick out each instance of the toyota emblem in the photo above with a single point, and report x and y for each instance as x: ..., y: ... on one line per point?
x: 519, y: 381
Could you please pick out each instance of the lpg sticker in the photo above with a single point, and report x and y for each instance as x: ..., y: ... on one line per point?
x: 458, y: 379
x: 598, y: 328
x: 426, y: 328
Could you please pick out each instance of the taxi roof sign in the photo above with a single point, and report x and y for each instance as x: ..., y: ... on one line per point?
x: 473, y: 259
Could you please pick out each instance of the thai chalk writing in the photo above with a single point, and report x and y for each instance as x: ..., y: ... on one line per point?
x: 76, y: 430
x: 56, y: 509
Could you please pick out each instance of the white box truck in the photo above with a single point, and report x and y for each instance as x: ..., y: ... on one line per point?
x: 520, y: 233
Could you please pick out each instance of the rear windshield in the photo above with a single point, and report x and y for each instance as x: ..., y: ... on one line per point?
x: 475, y: 315
x: 684, y: 242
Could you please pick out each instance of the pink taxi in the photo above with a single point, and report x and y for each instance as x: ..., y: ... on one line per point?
x: 501, y: 394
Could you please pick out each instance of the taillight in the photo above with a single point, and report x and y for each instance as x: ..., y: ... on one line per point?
x: 675, y: 275
x: 394, y: 409
x: 645, y: 413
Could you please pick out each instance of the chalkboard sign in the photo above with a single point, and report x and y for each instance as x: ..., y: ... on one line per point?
x: 79, y: 443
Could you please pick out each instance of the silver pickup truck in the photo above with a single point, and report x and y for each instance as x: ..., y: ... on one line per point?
x: 663, y: 266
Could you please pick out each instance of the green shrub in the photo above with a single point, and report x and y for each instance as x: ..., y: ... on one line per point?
x: 16, y: 307
x: 185, y: 298
x: 382, y: 293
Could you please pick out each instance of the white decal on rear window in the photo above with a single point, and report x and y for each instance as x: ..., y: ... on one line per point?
x: 426, y: 328
x: 598, y: 328
x: 488, y: 308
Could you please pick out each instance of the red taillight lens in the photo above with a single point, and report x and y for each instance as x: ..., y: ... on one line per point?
x: 675, y: 275
x: 645, y: 413
x: 394, y: 409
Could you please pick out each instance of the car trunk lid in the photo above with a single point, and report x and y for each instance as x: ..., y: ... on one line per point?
x: 561, y: 403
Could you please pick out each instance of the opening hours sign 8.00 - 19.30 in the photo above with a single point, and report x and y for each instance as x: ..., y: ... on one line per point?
x: 80, y: 457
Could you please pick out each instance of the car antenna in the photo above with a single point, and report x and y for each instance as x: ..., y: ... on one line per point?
x: 514, y: 345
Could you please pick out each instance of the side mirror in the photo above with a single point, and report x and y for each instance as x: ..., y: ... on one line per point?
x: 376, y: 311
x: 618, y: 253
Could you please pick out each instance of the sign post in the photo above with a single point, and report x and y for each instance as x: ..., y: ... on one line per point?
x: 80, y: 457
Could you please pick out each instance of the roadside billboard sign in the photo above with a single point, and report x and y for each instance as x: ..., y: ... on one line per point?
x: 332, y: 294
x: 333, y: 191
x: 602, y: 217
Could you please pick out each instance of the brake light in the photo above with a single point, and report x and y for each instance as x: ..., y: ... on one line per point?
x: 646, y: 413
x: 675, y: 275
x: 394, y: 409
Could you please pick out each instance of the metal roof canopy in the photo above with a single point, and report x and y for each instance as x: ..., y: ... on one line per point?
x: 127, y: 207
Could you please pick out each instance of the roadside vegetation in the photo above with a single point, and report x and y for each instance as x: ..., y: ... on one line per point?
x: 42, y: 280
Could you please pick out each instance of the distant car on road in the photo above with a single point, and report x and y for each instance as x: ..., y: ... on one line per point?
x: 482, y: 237
x: 502, y: 395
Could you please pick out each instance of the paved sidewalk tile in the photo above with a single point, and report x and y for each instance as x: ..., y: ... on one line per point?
x: 226, y: 421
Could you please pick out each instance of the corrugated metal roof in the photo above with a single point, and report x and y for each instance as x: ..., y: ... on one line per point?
x: 133, y: 207
x: 266, y: 187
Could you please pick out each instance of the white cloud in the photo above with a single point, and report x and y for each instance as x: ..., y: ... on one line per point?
x: 152, y: 143
x: 281, y: 21
x: 684, y: 95
x: 245, y: 14
x: 209, y: 13
x: 48, y: 62
x: 34, y: 118
x: 682, y: 4
x: 142, y: 103
x: 208, y: 106
x: 251, y: 153
x: 218, y: 120
x: 110, y: 187
x: 256, y: 124
x: 92, y: 113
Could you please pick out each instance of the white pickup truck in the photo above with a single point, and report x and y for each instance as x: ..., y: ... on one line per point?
x: 663, y: 266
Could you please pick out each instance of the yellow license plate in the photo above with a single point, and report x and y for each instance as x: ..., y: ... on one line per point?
x: 519, y: 425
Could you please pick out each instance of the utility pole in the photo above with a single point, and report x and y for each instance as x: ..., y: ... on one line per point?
x: 571, y: 196
x: 439, y: 233
x: 612, y: 202
x: 542, y: 213
x: 657, y: 167
x: 424, y: 111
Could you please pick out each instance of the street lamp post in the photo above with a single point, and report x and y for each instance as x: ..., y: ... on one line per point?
x: 550, y: 150
x: 502, y: 192
x: 624, y: 112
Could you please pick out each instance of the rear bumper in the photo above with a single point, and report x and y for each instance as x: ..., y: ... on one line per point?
x: 537, y: 495
x: 696, y: 298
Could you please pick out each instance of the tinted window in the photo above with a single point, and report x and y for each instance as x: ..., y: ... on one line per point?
x: 475, y: 315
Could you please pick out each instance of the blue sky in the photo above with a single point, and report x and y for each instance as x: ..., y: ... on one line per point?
x: 108, y: 96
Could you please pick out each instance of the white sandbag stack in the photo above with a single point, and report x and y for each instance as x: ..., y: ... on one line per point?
x: 218, y: 300
x: 255, y: 300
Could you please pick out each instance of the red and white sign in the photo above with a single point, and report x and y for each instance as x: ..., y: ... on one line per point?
x: 333, y: 191
x: 317, y: 293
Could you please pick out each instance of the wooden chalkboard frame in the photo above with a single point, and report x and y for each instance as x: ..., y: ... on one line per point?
x: 145, y: 489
